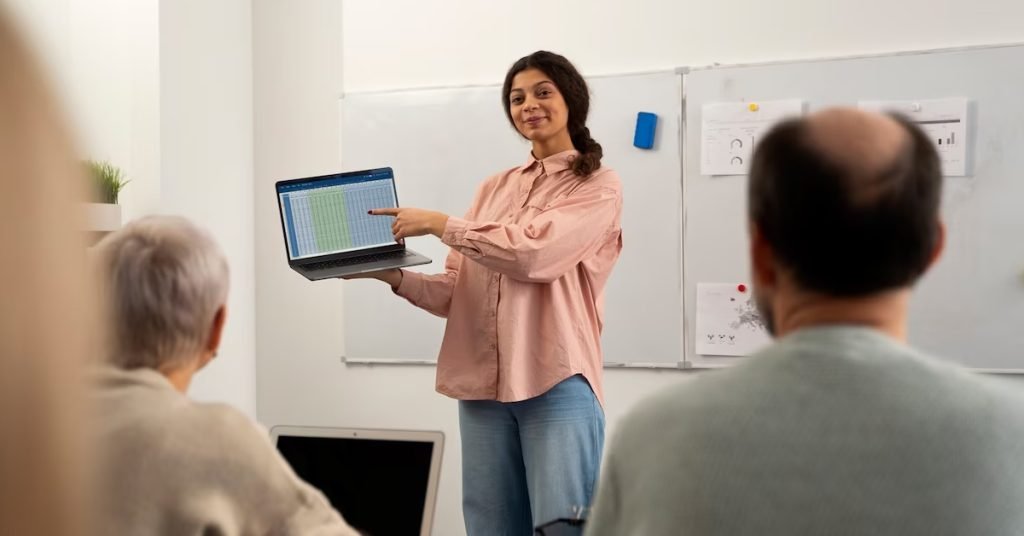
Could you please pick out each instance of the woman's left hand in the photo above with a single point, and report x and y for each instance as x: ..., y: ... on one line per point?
x: 414, y: 221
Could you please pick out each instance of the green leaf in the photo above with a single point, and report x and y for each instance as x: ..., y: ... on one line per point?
x: 107, y: 181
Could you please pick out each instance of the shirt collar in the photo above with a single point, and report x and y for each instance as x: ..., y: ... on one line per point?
x: 554, y: 163
x: 111, y: 375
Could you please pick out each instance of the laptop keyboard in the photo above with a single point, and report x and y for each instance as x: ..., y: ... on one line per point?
x: 366, y: 259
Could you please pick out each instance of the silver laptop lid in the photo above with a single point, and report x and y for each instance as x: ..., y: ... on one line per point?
x: 382, y: 481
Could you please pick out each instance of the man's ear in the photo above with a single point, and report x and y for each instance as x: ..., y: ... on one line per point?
x: 763, y: 269
x: 940, y: 244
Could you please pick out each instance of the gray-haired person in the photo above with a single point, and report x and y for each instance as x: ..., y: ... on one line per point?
x: 171, y: 465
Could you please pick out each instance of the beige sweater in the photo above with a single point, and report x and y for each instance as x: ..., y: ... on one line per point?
x: 178, y: 467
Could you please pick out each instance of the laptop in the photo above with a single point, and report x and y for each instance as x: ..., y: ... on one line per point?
x: 383, y: 482
x: 327, y: 231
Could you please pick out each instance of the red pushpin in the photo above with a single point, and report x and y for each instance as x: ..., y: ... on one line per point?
x: 741, y: 287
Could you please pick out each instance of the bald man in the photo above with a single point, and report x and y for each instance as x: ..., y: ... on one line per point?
x: 839, y: 427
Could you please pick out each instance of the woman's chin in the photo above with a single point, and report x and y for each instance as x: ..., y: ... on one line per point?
x: 536, y: 136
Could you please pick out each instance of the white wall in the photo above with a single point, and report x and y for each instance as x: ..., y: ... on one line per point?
x: 206, y: 145
x: 164, y: 91
x: 409, y: 43
x: 115, y: 92
x: 300, y: 379
x: 103, y: 58
x: 299, y: 53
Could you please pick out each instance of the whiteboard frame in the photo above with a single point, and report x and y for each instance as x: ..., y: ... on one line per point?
x: 818, y: 59
x: 385, y: 91
x: 682, y: 366
x: 372, y: 361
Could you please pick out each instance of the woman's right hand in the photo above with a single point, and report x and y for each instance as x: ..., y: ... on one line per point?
x: 392, y: 277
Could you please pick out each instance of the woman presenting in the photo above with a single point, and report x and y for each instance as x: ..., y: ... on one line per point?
x: 523, y: 292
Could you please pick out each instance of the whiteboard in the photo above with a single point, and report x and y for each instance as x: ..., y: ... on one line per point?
x: 970, y: 307
x: 443, y: 142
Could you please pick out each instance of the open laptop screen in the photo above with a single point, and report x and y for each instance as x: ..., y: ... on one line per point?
x: 379, y: 486
x: 325, y: 215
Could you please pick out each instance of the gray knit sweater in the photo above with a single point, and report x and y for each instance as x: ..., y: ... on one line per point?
x: 835, y: 430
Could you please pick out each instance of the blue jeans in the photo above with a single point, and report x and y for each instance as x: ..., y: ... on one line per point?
x: 526, y: 463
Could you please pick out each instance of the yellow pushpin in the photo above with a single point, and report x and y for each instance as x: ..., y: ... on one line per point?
x: 753, y: 107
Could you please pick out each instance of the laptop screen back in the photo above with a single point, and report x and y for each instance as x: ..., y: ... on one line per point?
x: 379, y: 486
x: 327, y: 215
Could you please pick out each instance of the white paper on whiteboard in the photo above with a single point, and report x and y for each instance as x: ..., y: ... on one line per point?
x: 728, y: 322
x: 730, y: 130
x: 945, y: 122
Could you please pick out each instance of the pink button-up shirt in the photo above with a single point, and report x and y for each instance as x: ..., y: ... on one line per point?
x: 523, y: 286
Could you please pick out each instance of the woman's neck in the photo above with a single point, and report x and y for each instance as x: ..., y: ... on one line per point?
x: 551, y: 146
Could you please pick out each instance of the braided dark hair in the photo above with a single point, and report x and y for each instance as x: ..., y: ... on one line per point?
x: 577, y: 98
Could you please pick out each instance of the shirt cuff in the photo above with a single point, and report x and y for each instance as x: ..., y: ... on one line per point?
x: 411, y: 287
x: 454, y: 231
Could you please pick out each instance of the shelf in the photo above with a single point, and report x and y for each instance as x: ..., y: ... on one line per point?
x: 102, y: 218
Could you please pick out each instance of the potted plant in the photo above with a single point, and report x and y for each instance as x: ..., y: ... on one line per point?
x: 106, y: 182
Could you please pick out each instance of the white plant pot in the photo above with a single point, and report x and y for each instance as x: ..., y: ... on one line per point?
x: 103, y: 217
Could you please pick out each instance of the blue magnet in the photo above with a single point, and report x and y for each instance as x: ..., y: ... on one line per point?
x: 646, y: 124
